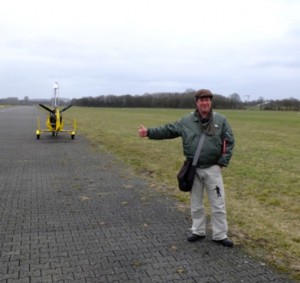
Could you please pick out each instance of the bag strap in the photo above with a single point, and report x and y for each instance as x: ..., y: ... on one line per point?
x: 199, y: 147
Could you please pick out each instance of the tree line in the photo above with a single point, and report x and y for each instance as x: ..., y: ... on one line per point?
x: 166, y: 100
x: 183, y: 100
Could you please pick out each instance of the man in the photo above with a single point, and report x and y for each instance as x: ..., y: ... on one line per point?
x: 215, y: 154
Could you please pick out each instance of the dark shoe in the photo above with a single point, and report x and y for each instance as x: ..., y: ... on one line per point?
x: 225, y: 243
x: 194, y: 238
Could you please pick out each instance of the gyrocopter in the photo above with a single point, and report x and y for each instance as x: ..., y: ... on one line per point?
x: 54, y: 122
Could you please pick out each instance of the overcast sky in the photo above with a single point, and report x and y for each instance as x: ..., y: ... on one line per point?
x: 101, y: 47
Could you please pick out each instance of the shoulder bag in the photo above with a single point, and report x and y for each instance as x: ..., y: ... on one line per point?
x: 186, y: 175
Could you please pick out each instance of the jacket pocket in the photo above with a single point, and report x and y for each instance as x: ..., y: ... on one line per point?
x: 189, y: 140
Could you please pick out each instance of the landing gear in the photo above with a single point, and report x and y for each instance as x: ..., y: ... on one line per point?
x: 38, y: 133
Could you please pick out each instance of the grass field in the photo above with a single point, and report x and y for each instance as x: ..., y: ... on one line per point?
x: 262, y: 182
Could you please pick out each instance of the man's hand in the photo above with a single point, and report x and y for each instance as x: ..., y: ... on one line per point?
x: 143, y: 132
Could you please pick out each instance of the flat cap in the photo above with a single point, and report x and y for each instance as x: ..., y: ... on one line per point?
x: 203, y: 93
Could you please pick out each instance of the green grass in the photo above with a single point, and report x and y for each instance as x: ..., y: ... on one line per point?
x: 262, y: 182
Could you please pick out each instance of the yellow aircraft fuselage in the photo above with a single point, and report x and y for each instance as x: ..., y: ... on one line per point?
x: 55, y: 122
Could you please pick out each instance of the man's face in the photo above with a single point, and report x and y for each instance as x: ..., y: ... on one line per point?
x: 203, y: 105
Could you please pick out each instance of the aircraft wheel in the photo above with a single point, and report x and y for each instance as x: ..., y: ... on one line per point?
x: 72, y: 137
x: 53, y: 134
x: 37, y: 137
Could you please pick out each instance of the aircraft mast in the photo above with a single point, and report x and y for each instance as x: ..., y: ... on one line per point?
x: 55, y: 96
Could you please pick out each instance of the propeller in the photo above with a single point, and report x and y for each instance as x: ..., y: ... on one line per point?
x: 53, y: 111
x: 66, y: 108
x: 48, y: 109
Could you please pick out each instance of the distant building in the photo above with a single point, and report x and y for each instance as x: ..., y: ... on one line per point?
x: 12, y: 100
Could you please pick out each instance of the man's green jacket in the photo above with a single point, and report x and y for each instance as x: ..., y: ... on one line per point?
x: 216, y: 150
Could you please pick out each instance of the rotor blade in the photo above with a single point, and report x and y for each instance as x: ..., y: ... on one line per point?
x: 66, y: 108
x: 48, y: 109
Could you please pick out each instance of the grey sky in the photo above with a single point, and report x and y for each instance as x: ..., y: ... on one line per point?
x: 97, y: 47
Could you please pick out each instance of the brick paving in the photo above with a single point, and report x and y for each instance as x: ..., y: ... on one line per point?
x: 70, y: 214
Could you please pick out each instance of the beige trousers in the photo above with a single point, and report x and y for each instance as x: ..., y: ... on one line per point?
x: 211, y: 180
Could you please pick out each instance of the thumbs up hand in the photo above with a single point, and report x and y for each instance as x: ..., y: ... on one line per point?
x: 143, y: 132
